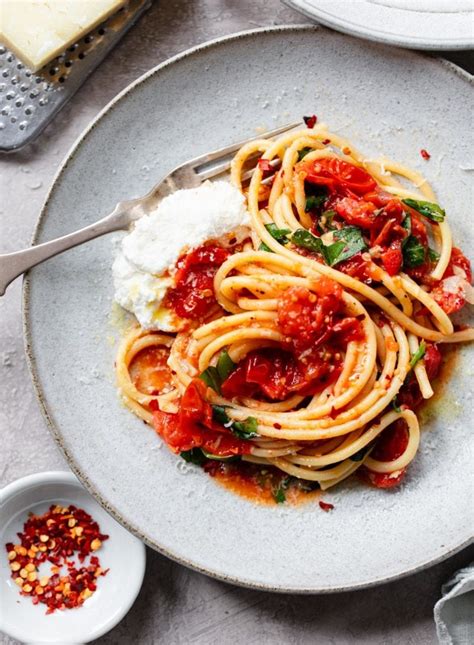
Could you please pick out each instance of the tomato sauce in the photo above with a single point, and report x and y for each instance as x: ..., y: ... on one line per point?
x: 149, y: 370
x: 261, y: 484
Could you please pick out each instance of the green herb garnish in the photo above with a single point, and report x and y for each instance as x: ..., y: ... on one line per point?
x: 303, y: 152
x: 211, y: 378
x: 214, y: 376
x: 433, y: 255
x: 351, y: 238
x: 264, y: 247
x: 279, y: 494
x: 395, y: 404
x: 314, y: 202
x: 418, y: 355
x: 193, y: 456
x: 306, y: 240
x: 349, y: 242
x: 278, y: 234
x: 225, y: 365
x: 360, y: 454
x: 246, y: 429
x: 428, y: 209
x: 414, y: 253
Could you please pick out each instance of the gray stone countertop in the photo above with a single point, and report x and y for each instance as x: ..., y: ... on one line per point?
x: 177, y: 605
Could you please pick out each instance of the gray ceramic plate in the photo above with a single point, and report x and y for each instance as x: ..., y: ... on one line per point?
x: 389, y: 101
x: 418, y: 24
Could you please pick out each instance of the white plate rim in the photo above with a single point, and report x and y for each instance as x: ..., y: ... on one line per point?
x: 55, y: 432
x: 354, y: 29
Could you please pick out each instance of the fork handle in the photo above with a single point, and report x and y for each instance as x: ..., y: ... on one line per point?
x: 14, y: 264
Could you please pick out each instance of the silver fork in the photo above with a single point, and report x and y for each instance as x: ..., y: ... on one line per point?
x: 188, y: 175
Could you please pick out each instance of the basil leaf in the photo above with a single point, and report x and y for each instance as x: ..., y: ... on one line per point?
x: 220, y: 415
x: 418, y: 355
x: 279, y: 496
x: 314, y: 201
x: 360, y: 454
x: 245, y: 429
x: 350, y: 237
x: 433, y: 255
x: 193, y: 456
x: 214, y: 376
x: 225, y: 365
x: 209, y: 455
x: 303, y: 152
x: 428, y: 209
x: 406, y: 224
x: 264, y: 247
x: 278, y: 234
x: 414, y: 252
x: 395, y: 404
x: 306, y: 240
x: 211, y: 378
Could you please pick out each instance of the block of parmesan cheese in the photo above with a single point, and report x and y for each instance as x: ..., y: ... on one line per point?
x: 39, y: 30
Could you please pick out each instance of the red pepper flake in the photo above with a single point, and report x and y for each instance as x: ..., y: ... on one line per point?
x: 264, y: 165
x: 326, y: 141
x: 325, y: 506
x: 425, y: 154
x: 310, y: 121
x: 53, y: 537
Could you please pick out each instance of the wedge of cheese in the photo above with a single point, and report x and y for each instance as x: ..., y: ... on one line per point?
x: 39, y: 30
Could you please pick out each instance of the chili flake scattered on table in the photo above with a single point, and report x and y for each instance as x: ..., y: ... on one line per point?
x: 55, y: 537
x: 425, y: 154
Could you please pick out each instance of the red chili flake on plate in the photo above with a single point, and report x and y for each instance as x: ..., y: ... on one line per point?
x: 425, y: 154
x: 54, y: 537
x: 310, y: 121
x: 325, y: 506
x: 326, y: 141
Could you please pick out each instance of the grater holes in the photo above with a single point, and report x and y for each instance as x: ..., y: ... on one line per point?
x: 81, y: 55
x: 29, y: 110
x: 13, y: 119
x: 3, y: 50
x: 10, y: 95
x: 6, y: 73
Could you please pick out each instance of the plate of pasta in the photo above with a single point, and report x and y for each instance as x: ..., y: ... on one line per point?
x: 270, y: 371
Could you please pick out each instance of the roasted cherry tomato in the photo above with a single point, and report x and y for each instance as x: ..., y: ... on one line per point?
x: 382, y: 480
x: 392, y: 259
x: 392, y: 442
x: 194, y: 292
x: 193, y: 426
x: 338, y: 175
x: 357, y: 212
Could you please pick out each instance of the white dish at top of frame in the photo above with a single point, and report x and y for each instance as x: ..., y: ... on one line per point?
x: 418, y: 24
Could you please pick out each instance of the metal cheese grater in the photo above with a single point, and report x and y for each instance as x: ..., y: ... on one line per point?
x: 29, y: 100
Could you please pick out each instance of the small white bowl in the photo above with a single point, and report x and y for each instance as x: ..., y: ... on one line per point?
x: 122, y: 553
